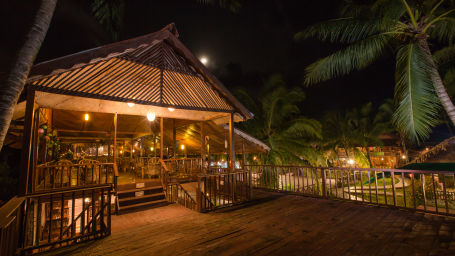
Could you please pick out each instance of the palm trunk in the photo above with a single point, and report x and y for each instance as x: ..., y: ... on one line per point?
x: 13, y: 84
x: 437, y: 83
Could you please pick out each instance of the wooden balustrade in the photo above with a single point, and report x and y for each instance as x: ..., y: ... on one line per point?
x: 10, y: 225
x: 40, y: 222
x: 48, y: 177
x: 186, y: 166
x: 425, y: 191
x: 224, y: 189
x: 176, y: 194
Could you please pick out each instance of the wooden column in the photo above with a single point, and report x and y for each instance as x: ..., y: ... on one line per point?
x: 115, y: 139
x: 35, y: 147
x: 131, y: 149
x: 202, y: 147
x: 243, y: 154
x: 174, y: 138
x: 161, y: 138
x: 24, y: 173
x: 231, y: 143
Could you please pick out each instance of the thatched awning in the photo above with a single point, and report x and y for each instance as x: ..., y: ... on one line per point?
x: 151, y: 70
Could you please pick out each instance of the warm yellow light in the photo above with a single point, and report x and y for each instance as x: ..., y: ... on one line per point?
x: 382, y: 158
x: 86, y: 117
x: 121, y: 152
x: 255, y: 158
x: 182, y: 147
x: 87, y: 200
x: 403, y: 157
x: 152, y: 148
x: 171, y: 109
x: 204, y: 60
x: 133, y: 150
x: 151, y: 116
x: 130, y: 104
x: 350, y: 161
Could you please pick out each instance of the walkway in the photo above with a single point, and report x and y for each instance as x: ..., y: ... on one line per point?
x: 276, y: 224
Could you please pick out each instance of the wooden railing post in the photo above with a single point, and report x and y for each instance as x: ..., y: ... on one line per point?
x: 198, y: 195
x: 250, y: 183
x: 323, y: 183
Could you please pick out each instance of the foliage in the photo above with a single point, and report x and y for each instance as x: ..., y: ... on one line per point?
x: 354, y: 131
x: 372, y: 29
x: 277, y: 122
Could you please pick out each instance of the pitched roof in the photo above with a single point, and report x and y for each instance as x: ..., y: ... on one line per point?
x: 154, y: 69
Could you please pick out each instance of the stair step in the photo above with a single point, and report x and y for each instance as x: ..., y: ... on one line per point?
x: 140, y: 197
x: 146, y: 204
x: 138, y: 189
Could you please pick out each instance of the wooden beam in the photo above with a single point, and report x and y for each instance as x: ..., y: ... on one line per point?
x: 24, y: 177
x: 243, y: 154
x: 35, y: 145
x: 231, y: 143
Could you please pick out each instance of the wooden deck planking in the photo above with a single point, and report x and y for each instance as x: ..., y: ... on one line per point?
x: 275, y: 224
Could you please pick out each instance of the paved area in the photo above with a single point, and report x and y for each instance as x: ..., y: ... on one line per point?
x: 275, y: 224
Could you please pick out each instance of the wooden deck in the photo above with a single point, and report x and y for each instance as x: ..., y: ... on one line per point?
x: 275, y: 224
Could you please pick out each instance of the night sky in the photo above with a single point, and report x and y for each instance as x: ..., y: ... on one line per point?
x: 244, y: 48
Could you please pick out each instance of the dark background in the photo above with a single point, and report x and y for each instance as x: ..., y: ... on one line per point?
x: 243, y: 47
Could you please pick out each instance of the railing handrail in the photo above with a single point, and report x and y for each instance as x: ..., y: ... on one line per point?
x: 70, y: 165
x: 8, y: 209
x: 181, y: 159
x: 67, y: 190
x: 221, y: 174
x: 354, y: 168
x: 164, y: 165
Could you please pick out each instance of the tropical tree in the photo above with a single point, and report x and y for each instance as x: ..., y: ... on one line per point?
x: 404, y: 28
x: 277, y: 122
x: 13, y: 83
x: 354, y: 131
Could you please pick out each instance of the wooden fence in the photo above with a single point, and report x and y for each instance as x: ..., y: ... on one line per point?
x: 40, y: 222
x: 48, y: 177
x: 426, y: 191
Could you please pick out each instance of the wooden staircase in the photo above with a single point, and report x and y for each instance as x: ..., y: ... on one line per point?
x: 137, y: 196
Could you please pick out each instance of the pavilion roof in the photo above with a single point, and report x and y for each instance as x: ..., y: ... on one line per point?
x: 154, y: 69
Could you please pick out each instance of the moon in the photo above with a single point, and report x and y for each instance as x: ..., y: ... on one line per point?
x: 204, y: 60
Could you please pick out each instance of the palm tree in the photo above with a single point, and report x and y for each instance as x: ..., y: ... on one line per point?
x: 405, y: 27
x: 277, y: 122
x: 13, y: 84
x: 354, y: 131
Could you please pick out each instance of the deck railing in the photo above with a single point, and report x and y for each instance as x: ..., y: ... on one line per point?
x: 10, y: 225
x: 426, y: 191
x: 40, y: 222
x: 224, y: 189
x: 49, y: 177
x: 176, y: 194
x: 184, y: 166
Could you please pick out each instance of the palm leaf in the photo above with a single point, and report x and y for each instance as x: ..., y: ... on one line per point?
x: 354, y: 57
x: 418, y: 106
x: 443, y: 30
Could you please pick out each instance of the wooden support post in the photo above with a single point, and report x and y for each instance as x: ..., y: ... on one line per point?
x: 161, y: 138
x: 35, y: 147
x: 231, y: 143
x: 202, y: 147
x: 131, y: 149
x: 243, y: 154
x: 174, y: 138
x: 115, y: 139
x: 24, y: 174
x: 97, y: 146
